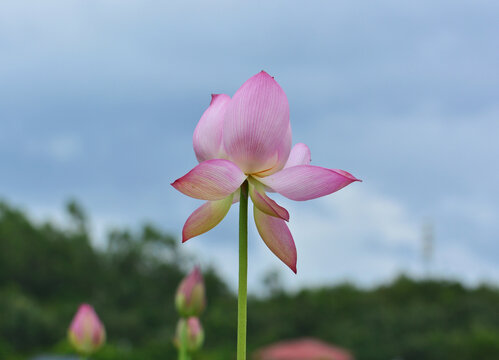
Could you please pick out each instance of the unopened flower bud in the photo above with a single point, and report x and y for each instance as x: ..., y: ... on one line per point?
x: 192, y: 330
x: 190, y: 298
x: 86, y: 332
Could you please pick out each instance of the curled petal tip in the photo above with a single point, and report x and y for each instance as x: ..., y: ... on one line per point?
x: 185, y: 235
x: 264, y: 73
x: 176, y: 184
x: 215, y: 97
x: 306, y: 182
x: 347, y: 175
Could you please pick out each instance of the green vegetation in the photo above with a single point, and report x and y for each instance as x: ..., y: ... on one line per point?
x: 46, y: 271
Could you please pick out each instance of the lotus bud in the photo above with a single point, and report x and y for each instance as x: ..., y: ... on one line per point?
x: 194, y: 333
x: 86, y: 332
x: 190, y: 298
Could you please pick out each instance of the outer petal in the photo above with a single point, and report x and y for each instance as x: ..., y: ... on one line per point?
x: 305, y: 182
x: 277, y: 237
x: 207, y: 139
x: 264, y: 203
x: 211, y: 180
x: 237, y: 196
x: 206, y: 217
x: 256, y: 120
x: 299, y: 155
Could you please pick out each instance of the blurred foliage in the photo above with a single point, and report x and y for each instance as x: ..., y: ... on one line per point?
x: 46, y: 271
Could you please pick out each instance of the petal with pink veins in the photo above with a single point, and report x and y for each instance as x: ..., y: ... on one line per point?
x: 281, y: 157
x: 305, y: 182
x: 264, y: 203
x: 299, y: 155
x: 256, y: 119
x: 211, y: 180
x: 207, y: 138
x: 206, y: 217
x: 277, y: 237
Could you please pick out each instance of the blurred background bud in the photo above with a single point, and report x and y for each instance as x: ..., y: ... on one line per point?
x: 190, y: 298
x: 195, y: 333
x: 86, y: 332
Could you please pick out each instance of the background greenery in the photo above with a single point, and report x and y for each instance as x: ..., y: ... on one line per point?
x: 47, y: 270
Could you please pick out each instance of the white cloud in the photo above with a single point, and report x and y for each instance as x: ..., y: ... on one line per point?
x: 356, y: 234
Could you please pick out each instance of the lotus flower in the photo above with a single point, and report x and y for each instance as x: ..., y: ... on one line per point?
x: 248, y: 138
x: 190, y: 298
x: 194, y: 332
x: 86, y: 332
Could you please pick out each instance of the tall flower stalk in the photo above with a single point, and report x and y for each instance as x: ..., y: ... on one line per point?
x: 243, y: 273
x: 243, y: 145
x: 182, y: 353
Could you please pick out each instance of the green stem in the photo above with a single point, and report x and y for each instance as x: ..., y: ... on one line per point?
x: 182, y: 354
x: 243, y: 273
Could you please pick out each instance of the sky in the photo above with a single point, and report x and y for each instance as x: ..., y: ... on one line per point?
x: 99, y: 100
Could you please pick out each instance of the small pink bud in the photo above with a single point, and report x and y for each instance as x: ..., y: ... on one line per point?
x: 190, y: 298
x: 86, y: 332
x: 194, y: 333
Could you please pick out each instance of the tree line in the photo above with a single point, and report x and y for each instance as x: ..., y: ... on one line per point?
x: 47, y: 270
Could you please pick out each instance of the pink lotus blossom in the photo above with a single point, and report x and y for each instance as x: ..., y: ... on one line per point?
x: 248, y: 137
x: 86, y: 332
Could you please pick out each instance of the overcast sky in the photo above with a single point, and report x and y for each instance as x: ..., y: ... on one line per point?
x: 99, y: 99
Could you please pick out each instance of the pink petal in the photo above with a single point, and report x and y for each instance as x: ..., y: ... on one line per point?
x: 277, y: 237
x: 211, y: 180
x: 207, y: 139
x: 264, y: 203
x: 256, y: 121
x: 299, y: 155
x: 282, y: 155
x: 206, y: 217
x: 305, y: 182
